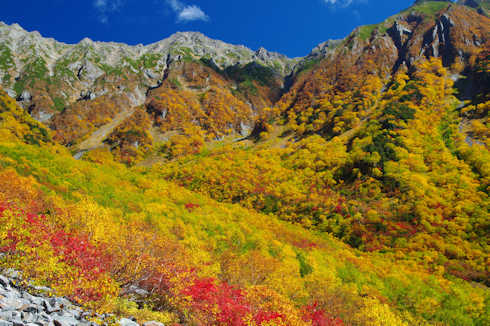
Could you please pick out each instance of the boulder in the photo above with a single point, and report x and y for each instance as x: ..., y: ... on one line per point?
x: 153, y: 323
x: 127, y: 322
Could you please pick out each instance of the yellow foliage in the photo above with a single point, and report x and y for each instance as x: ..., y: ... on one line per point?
x: 374, y: 313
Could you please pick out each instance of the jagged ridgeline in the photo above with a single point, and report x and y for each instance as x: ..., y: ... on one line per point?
x: 200, y: 183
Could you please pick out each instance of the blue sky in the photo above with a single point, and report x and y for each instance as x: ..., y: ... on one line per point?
x: 292, y: 27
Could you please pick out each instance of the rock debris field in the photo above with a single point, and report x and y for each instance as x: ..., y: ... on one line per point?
x: 31, y: 306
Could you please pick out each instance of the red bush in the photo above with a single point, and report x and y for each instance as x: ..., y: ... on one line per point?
x: 191, y: 206
x: 75, y: 250
x: 265, y: 316
x: 304, y: 244
x: 318, y: 317
x: 232, y: 306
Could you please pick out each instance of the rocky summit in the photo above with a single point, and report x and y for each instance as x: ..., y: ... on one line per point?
x: 27, y: 57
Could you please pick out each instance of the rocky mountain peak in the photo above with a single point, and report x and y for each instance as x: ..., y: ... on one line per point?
x: 178, y: 45
x: 190, y: 35
x: 86, y: 41
x: 261, y: 52
x: 323, y: 48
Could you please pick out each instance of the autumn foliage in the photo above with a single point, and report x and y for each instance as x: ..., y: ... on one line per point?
x: 349, y: 182
x: 380, y: 221
x: 71, y: 263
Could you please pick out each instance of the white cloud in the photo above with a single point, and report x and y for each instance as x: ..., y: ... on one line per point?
x: 105, y: 7
x: 343, y: 3
x: 187, y: 13
x: 176, y: 5
x: 192, y: 13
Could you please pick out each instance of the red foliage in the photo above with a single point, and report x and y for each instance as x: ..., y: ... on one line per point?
x: 191, y: 206
x: 201, y: 290
x: 265, y: 316
x: 3, y: 207
x: 77, y: 250
x: 232, y: 306
x: 405, y: 227
x: 73, y: 249
x: 318, y: 317
x: 224, y: 305
x: 304, y: 244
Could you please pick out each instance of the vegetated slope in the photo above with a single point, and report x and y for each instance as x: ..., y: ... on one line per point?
x: 78, y: 89
x: 124, y: 240
x: 357, y: 68
x: 404, y: 181
x: 369, y: 145
x: 383, y: 155
x: 483, y: 6
x: 455, y: 33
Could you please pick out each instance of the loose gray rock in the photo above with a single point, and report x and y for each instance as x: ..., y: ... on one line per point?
x: 153, y: 323
x: 5, y: 315
x: 31, y: 308
x: 19, y: 307
x: 4, y: 282
x: 127, y: 322
x: 28, y: 317
x: 65, y: 321
x: 10, y: 304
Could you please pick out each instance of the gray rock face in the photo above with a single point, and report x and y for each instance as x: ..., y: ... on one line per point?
x: 42, y: 116
x: 4, y: 282
x: 25, y: 96
x: 18, y: 307
x: 83, y: 63
x: 323, y: 49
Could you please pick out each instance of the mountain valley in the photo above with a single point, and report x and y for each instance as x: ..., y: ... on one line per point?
x: 195, y: 182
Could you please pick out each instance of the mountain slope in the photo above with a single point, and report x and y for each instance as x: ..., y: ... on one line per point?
x: 483, y: 6
x: 452, y: 32
x: 77, y: 89
x: 124, y: 240
x: 399, y: 178
x: 94, y: 80
x: 372, y: 143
